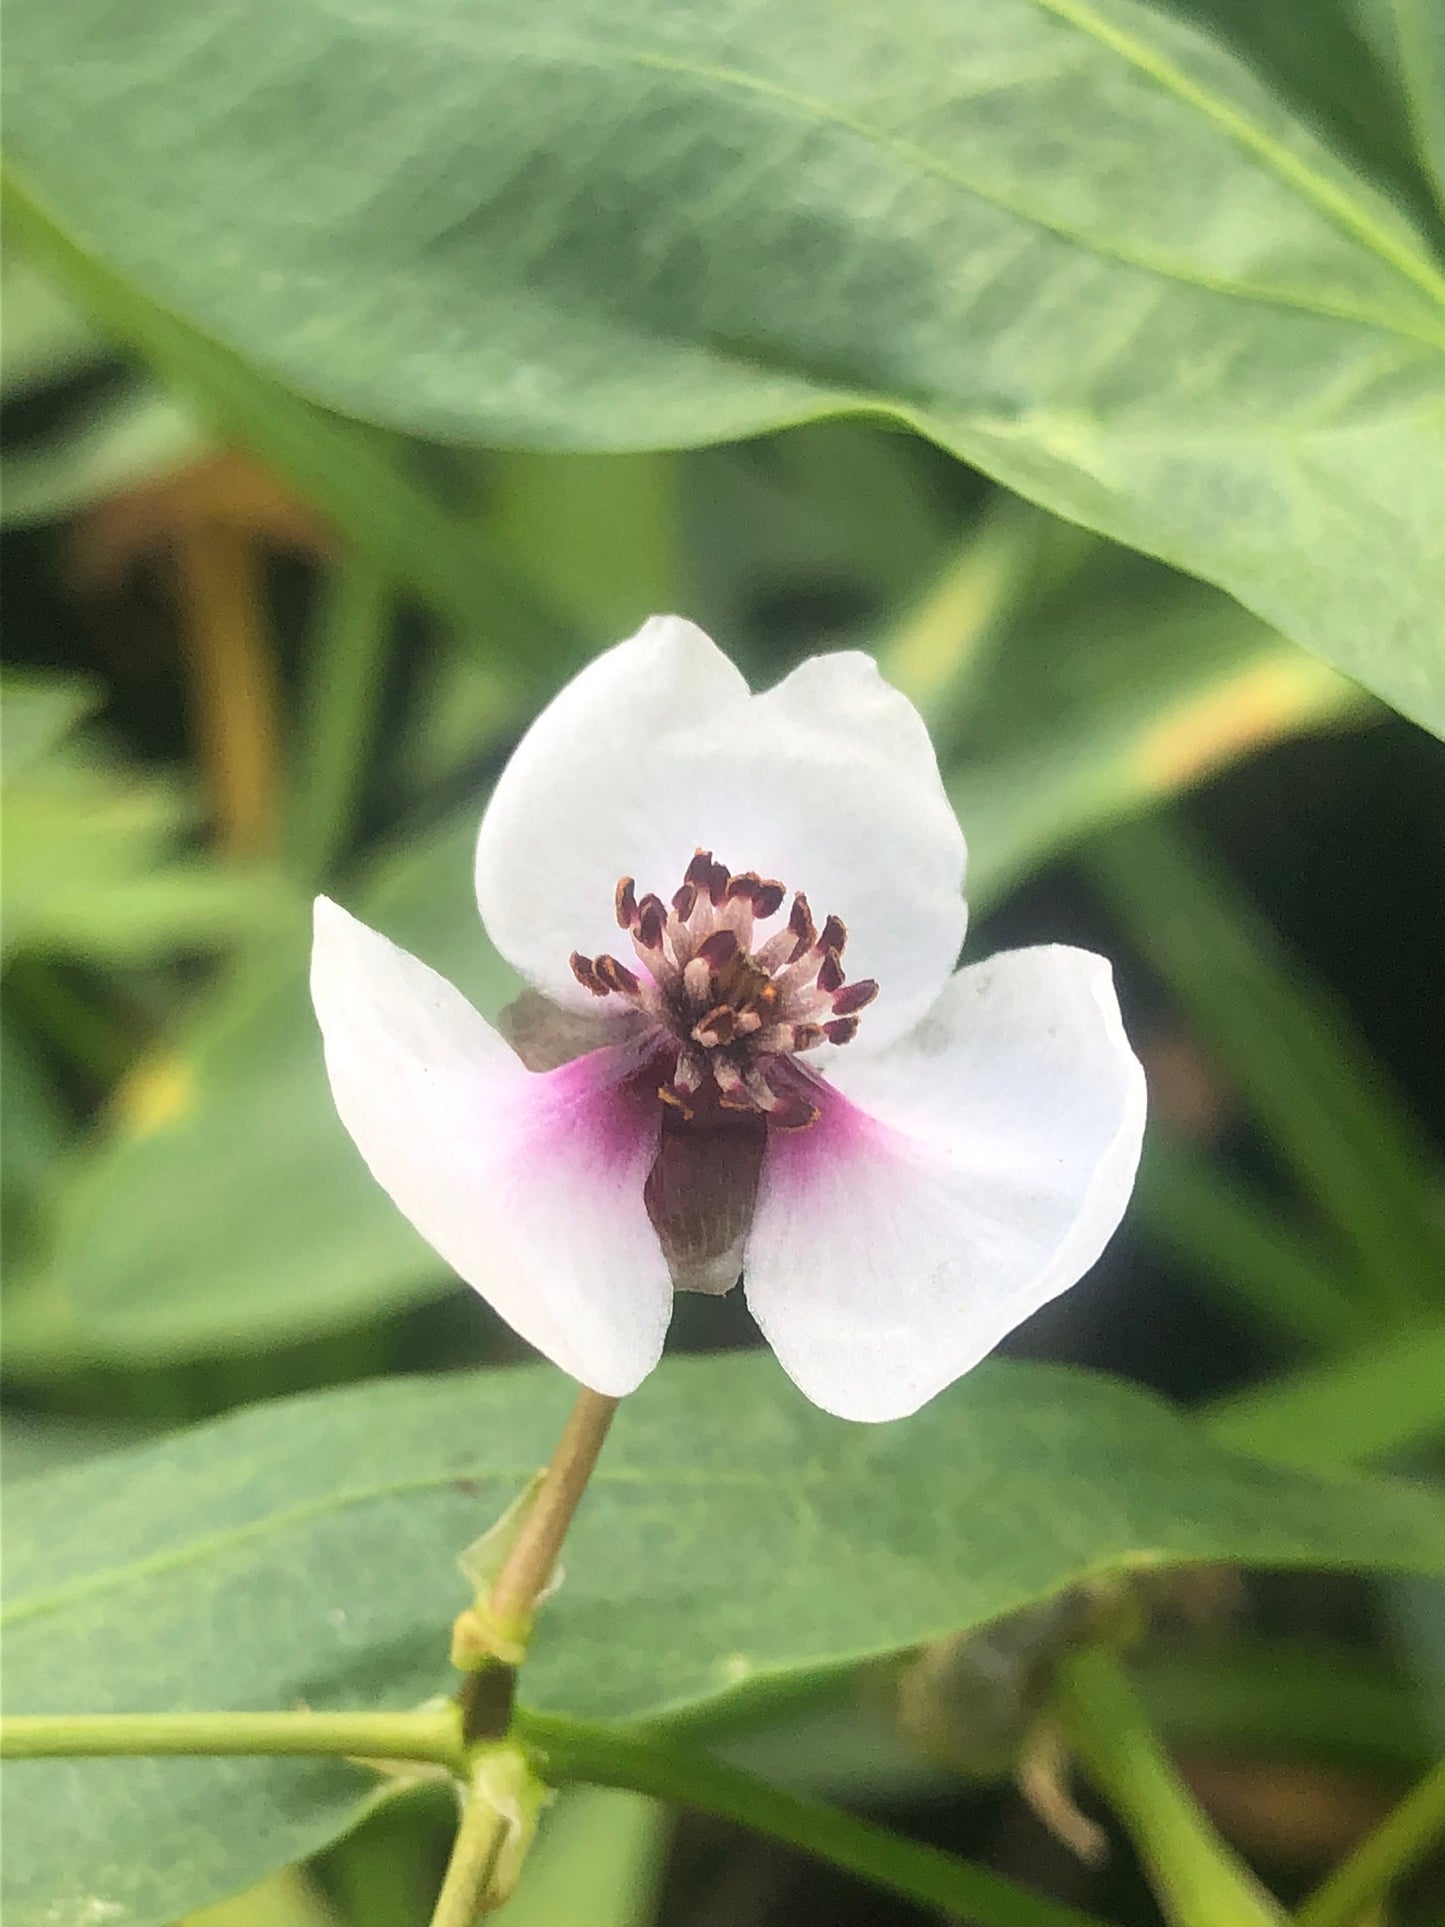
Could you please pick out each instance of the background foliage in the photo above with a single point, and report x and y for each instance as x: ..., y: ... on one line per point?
x: 365, y: 370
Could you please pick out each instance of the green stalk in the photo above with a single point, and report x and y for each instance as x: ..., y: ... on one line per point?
x: 1199, y: 1881
x: 570, y: 1750
x: 1396, y: 1846
x: 338, y: 704
x: 431, y: 1736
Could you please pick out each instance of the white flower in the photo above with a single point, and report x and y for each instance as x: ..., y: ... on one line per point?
x: 903, y: 1162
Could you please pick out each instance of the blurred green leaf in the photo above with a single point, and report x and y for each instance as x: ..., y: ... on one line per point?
x: 1328, y: 1106
x: 1287, y: 1697
x: 90, y: 843
x: 37, y: 1129
x: 793, y: 538
x: 345, y: 671
x: 35, y: 1442
x: 362, y: 480
x: 734, y: 1537
x: 1253, y: 1254
x: 1378, y: 1402
x: 1126, y: 687
x: 44, y: 337
x: 128, y: 438
x: 284, y: 1900
x: 224, y: 1207
x: 597, y: 534
x: 597, y: 1863
x: 1078, y: 242
x: 122, y: 435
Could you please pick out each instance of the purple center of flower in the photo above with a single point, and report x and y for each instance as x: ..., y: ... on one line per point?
x: 729, y: 1009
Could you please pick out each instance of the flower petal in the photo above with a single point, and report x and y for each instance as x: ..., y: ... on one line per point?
x: 952, y: 1185
x: 529, y: 1186
x: 827, y: 782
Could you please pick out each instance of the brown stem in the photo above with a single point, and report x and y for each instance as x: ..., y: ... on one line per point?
x: 233, y: 682
x: 490, y: 1638
x: 528, y: 1566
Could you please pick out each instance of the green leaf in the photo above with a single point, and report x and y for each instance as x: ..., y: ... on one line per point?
x: 734, y: 1537
x: 1078, y: 242
x: 224, y: 1207
x: 91, y: 861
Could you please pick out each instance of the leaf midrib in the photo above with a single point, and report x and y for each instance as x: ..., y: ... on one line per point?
x: 197, y: 1551
x: 929, y: 163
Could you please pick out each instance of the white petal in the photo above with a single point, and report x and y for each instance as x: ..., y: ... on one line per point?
x: 530, y: 1186
x: 827, y: 782
x: 952, y: 1186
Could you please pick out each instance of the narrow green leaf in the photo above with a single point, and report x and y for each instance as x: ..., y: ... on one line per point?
x: 1327, y: 1105
x: 734, y: 1537
x: 1376, y: 1403
x: 344, y: 668
x: 1248, y: 1251
x: 1078, y: 242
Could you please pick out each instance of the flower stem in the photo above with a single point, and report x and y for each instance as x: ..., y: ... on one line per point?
x: 565, y: 1750
x: 429, y: 1735
x: 528, y: 1566
x: 489, y: 1640
x: 1198, y: 1879
x: 1391, y: 1851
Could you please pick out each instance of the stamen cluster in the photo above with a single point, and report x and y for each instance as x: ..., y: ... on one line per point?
x: 728, y: 1018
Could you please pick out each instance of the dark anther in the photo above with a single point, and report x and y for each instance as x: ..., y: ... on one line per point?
x: 835, y: 936
x: 800, y: 922
x: 718, y: 949
x: 830, y: 973
x: 615, y: 976
x: 853, y: 996
x: 651, y: 918
x: 585, y: 972
x: 842, y: 1030
x: 626, y: 904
